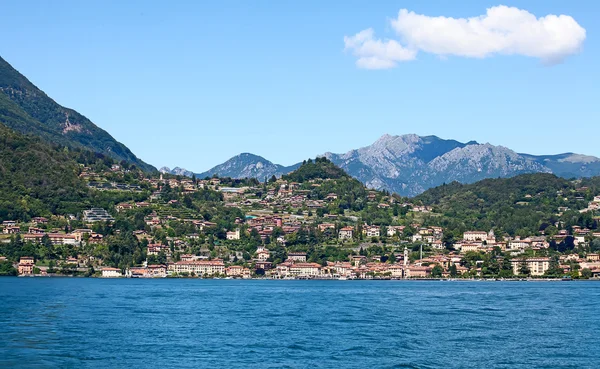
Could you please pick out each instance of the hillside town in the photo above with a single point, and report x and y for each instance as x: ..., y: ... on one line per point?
x: 320, y: 228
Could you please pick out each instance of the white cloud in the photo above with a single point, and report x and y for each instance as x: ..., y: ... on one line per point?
x: 502, y: 30
x: 376, y: 54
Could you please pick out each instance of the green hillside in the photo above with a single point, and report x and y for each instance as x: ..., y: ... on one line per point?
x: 27, y: 109
x: 518, y: 205
x: 37, y: 179
x: 41, y: 179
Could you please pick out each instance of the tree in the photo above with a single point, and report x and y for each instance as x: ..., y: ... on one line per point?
x: 524, y: 268
x: 437, y: 271
x: 255, y: 237
x: 6, y: 269
x: 453, y: 271
x: 586, y: 273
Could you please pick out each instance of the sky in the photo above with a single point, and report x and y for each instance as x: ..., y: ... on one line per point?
x: 193, y: 83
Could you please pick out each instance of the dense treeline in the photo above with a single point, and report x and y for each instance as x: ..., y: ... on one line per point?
x: 521, y: 205
x: 320, y: 168
x: 39, y: 179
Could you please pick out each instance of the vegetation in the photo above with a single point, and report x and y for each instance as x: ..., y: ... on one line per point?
x: 39, y: 179
x: 521, y: 205
x: 27, y: 109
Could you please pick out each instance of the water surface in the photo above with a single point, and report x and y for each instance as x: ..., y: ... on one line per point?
x: 117, y: 323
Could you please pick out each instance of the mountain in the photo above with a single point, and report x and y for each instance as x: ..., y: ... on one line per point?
x: 27, y: 109
x: 247, y: 165
x: 569, y: 165
x: 177, y: 171
x: 410, y: 164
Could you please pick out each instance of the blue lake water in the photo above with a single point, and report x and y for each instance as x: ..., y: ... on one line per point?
x: 110, y: 323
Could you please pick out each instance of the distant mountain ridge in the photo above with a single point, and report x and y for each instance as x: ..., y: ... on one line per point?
x: 410, y: 164
x: 248, y: 165
x: 27, y: 109
x: 176, y: 171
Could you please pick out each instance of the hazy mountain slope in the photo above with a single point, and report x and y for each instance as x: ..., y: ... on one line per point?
x: 27, y: 109
x: 176, y: 171
x: 569, y: 165
x: 248, y: 165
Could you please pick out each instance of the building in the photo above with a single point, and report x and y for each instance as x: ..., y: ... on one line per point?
x: 394, y: 230
x: 36, y: 230
x: 346, y: 233
x: 189, y: 257
x: 155, y: 249
x: 417, y: 272
x: 111, y: 273
x: 262, y: 254
x: 593, y: 257
x: 475, y: 236
x: 467, y: 247
x: 198, y: 267
x: 156, y: 271
x: 55, y: 238
x: 536, y: 266
x: 325, y: 226
x: 96, y: 215
x: 234, y: 235
x: 297, y: 256
x: 11, y: 229
x: 26, y: 265
x: 289, y: 269
x: 372, y: 231
x: 437, y: 245
x: 396, y: 270
x: 519, y: 244
x: 237, y: 271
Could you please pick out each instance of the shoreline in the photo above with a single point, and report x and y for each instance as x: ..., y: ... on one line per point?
x: 327, y: 279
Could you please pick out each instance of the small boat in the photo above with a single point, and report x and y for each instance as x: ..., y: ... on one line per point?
x: 342, y: 279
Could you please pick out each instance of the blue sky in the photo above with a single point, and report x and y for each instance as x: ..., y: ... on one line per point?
x: 192, y: 83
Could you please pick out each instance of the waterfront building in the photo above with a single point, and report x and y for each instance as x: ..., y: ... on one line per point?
x: 198, y: 267
x: 536, y: 266
x: 111, y: 273
x: 26, y: 265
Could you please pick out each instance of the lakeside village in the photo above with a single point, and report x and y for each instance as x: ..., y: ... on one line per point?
x: 280, y: 229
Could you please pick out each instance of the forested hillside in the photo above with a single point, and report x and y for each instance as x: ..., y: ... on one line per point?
x: 519, y: 205
x: 27, y: 109
x: 39, y: 179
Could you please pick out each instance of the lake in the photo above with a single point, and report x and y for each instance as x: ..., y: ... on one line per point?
x: 118, y: 323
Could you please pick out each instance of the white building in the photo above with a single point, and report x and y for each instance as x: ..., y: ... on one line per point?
x: 346, y: 233
x: 536, y: 266
x: 235, y: 235
x: 372, y: 231
x: 111, y: 273
x: 475, y: 236
x: 297, y: 256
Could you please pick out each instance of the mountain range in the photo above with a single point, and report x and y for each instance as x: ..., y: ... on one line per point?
x: 410, y: 164
x: 27, y: 109
x: 407, y: 164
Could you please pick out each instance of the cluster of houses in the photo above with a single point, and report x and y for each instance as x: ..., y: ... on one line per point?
x: 36, y: 234
x: 359, y: 267
x: 269, y: 215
